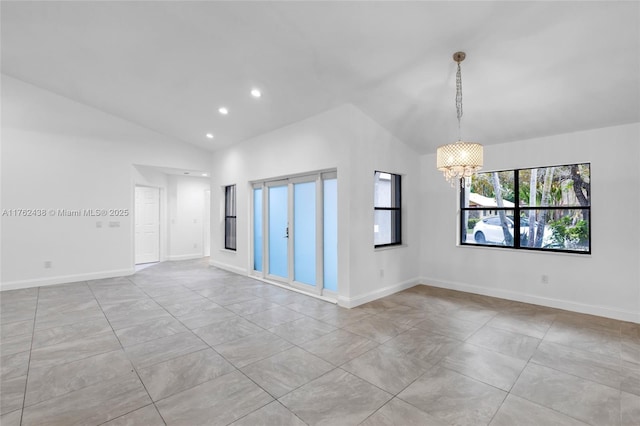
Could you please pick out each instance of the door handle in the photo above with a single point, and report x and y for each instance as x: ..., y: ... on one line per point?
x: 287, y: 233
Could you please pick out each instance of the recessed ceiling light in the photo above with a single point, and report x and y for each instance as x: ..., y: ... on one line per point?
x: 205, y: 175
x: 256, y: 93
x: 223, y: 110
x: 210, y: 135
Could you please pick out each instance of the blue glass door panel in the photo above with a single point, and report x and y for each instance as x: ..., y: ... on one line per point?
x: 278, y: 231
x: 257, y: 229
x: 304, y: 241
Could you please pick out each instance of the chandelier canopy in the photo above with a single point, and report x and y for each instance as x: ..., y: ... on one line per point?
x: 459, y: 159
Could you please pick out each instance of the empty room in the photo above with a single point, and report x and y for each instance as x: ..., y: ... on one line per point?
x: 304, y: 213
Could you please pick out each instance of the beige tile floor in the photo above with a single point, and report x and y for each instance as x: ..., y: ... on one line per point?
x: 182, y: 343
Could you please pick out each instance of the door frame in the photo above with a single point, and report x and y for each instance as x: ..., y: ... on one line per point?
x: 265, y: 231
x: 318, y: 286
x: 318, y: 178
x: 206, y: 224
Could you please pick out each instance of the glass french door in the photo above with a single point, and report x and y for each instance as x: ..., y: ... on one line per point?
x: 295, y: 232
x: 304, y: 233
x: 278, y: 235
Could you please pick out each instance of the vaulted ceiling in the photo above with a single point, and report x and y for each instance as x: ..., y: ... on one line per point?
x: 532, y: 68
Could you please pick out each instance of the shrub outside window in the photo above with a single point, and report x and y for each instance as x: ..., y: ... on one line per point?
x: 552, y: 206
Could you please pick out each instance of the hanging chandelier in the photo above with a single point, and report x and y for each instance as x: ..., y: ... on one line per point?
x: 460, y: 159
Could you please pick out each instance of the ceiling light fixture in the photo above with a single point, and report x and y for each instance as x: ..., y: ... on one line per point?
x: 256, y: 93
x: 460, y: 159
x: 223, y: 110
x: 210, y: 135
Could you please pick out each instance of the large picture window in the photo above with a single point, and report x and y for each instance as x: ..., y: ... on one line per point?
x: 230, y: 217
x: 545, y: 208
x: 387, y: 223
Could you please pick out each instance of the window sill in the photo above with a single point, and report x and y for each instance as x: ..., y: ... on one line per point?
x: 228, y: 251
x: 512, y: 250
x: 395, y: 246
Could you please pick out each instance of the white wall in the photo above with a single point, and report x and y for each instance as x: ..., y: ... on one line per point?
x: 348, y: 141
x: 286, y: 151
x: 606, y: 283
x: 374, y: 272
x: 59, y: 154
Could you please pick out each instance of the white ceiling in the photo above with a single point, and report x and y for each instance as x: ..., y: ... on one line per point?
x: 532, y: 68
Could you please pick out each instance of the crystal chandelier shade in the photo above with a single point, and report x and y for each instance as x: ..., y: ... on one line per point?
x: 460, y: 159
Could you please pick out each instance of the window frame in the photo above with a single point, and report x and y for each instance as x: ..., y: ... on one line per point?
x: 230, y: 197
x: 518, y: 208
x: 396, y: 201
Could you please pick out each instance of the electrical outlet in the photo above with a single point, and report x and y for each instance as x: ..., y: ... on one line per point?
x: 195, y: 245
x: 381, y: 273
x: 544, y: 279
x: 48, y: 264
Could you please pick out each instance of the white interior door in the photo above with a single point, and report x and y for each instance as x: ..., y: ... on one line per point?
x: 147, y: 225
x: 278, y: 231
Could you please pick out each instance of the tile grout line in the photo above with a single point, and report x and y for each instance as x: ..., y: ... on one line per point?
x: 213, y: 349
x: 284, y: 350
x: 529, y: 362
x: 59, y: 364
x: 226, y: 360
x: 132, y: 365
x: 26, y: 380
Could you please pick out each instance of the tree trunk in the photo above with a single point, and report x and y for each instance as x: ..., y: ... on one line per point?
x: 533, y: 192
x: 578, y: 185
x: 508, y: 238
x: 546, y: 195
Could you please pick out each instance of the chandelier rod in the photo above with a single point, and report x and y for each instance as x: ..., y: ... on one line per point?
x: 459, y: 57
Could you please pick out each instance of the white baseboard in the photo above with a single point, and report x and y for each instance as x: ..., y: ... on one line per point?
x: 352, y: 302
x: 296, y: 290
x: 345, y: 302
x: 62, y: 279
x: 230, y: 268
x: 185, y: 256
x: 244, y: 272
x: 602, y: 311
